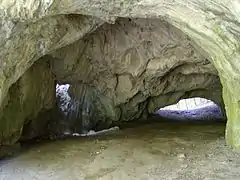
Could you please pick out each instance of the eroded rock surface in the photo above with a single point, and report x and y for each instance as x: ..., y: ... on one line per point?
x: 139, y: 65
x: 32, y: 95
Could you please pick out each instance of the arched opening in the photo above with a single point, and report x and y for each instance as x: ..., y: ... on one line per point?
x: 156, y: 59
x: 192, y: 109
x: 76, y: 112
x: 118, y: 72
x: 152, y: 59
x: 121, y: 72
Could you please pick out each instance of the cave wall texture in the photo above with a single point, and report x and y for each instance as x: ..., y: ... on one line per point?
x: 137, y: 55
x: 31, y: 95
x: 139, y: 65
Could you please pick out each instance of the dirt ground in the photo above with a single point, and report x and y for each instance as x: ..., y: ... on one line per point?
x: 159, y: 150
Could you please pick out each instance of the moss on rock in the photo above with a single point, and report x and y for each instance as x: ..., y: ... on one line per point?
x: 232, y: 106
x: 33, y: 92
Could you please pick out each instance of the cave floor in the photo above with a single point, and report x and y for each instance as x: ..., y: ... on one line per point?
x: 157, y: 150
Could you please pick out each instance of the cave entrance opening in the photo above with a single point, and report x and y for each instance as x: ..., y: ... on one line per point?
x: 192, y: 109
x: 76, y: 113
x: 63, y: 98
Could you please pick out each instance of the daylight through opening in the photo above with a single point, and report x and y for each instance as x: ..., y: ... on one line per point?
x: 192, y: 109
x: 77, y: 114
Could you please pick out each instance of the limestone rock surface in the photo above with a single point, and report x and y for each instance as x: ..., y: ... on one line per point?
x: 31, y: 95
x: 139, y: 65
x: 123, y: 64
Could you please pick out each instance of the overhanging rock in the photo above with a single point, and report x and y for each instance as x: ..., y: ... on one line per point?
x: 29, y: 31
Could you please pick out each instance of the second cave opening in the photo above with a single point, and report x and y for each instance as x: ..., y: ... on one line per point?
x: 192, y: 109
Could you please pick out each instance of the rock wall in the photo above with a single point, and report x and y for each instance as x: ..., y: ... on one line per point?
x: 32, y: 94
x: 139, y: 65
x: 31, y: 29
